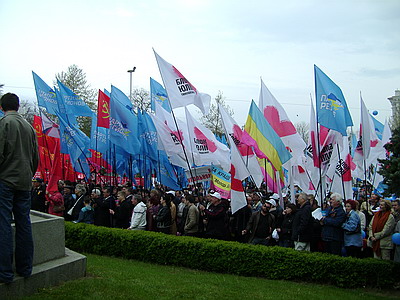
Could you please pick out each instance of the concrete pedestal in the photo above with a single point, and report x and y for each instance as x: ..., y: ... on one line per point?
x: 53, y: 263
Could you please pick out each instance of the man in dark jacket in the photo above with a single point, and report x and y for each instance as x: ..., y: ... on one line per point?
x: 302, y: 224
x: 19, y: 159
x: 215, y: 216
x: 332, y: 232
x: 260, y: 226
x: 38, y: 194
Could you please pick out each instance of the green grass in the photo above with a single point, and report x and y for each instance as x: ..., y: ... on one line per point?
x: 114, y: 278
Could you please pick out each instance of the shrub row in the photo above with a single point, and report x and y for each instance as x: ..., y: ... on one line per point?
x: 232, y: 257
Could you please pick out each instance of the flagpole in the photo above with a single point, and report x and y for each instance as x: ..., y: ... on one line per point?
x: 341, y: 171
x: 319, y: 148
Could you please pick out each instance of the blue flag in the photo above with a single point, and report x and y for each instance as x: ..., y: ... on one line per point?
x: 99, y: 137
x: 1, y: 114
x: 332, y: 111
x: 148, y: 136
x: 167, y: 174
x: 45, y: 95
x: 158, y: 94
x: 123, y: 122
x: 74, y: 105
x: 75, y: 143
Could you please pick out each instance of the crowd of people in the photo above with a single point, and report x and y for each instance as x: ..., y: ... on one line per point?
x: 362, y: 228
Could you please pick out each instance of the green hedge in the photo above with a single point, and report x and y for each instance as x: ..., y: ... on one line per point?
x: 232, y: 257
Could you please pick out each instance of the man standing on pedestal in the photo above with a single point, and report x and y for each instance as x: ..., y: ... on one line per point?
x: 18, y: 163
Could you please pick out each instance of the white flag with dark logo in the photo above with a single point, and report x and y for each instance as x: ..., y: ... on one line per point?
x: 180, y: 91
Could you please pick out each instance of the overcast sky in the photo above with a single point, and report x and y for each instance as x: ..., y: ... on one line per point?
x: 218, y: 45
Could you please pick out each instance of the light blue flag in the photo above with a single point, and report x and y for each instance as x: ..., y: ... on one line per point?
x: 167, y: 176
x: 107, y: 93
x: 45, y: 95
x: 123, y: 122
x: 378, y: 127
x: 1, y: 114
x: 99, y: 137
x: 148, y: 136
x: 332, y: 111
x: 158, y: 94
x: 74, y: 105
x: 75, y: 143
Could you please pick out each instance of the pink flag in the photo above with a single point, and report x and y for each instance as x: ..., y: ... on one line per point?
x: 180, y: 91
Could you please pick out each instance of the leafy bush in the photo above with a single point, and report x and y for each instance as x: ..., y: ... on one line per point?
x: 232, y: 257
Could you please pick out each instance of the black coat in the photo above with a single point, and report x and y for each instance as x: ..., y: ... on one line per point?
x: 123, y: 214
x: 102, y: 216
x: 286, y: 227
x: 303, y: 224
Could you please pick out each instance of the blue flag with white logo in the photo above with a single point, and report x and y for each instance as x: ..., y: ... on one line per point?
x: 332, y: 111
x: 148, y: 136
x: 45, y: 95
x: 99, y: 137
x: 75, y: 143
x: 158, y: 94
x: 123, y: 122
x: 74, y: 105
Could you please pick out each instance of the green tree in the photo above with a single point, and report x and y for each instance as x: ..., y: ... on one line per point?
x: 75, y: 79
x: 213, y: 119
x: 390, y: 167
x: 140, y: 99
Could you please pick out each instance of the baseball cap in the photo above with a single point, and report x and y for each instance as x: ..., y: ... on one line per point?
x: 272, y: 202
x: 215, y: 194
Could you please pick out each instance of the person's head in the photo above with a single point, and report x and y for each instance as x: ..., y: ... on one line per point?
x: 302, y: 198
x: 121, y: 195
x: 167, y: 199
x: 95, y: 193
x: 256, y: 197
x: 272, y: 202
x: 266, y: 207
x: 9, y: 102
x: 375, y: 198
x: 335, y: 200
x: 86, y: 201
x: 290, y: 209
x: 80, y: 189
x: 215, y: 197
x: 37, y: 182
x: 396, y: 205
x: 385, y: 205
x: 68, y: 189
x: 350, y: 205
x: 136, y: 199
x: 107, y: 191
x: 189, y: 199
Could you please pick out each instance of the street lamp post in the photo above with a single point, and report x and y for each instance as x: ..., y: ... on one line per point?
x: 130, y: 75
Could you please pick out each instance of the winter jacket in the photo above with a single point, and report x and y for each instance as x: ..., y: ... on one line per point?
x: 385, y: 236
x: 86, y: 215
x: 163, y: 217
x: 350, y: 225
x: 138, y: 220
x: 303, y: 224
x: 192, y: 220
x: 253, y: 224
x: 332, y: 224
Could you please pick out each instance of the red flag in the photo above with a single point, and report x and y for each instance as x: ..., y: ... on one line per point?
x: 103, y: 110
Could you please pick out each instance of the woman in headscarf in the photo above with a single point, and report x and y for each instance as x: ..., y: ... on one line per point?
x: 381, y: 230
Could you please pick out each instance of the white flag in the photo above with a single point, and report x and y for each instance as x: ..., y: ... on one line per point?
x: 203, y: 142
x: 180, y: 91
